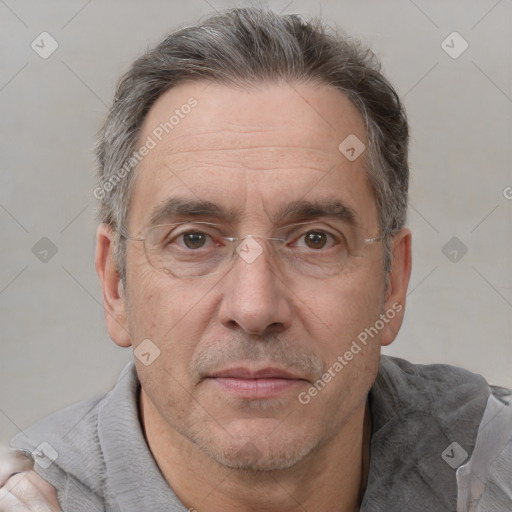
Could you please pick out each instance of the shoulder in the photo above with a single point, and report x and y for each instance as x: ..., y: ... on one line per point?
x: 441, y: 389
x: 485, y: 480
x: 433, y: 375
x: 67, y: 448
x: 69, y: 432
x: 445, y: 431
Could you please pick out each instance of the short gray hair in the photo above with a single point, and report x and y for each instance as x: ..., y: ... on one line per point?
x: 241, y: 47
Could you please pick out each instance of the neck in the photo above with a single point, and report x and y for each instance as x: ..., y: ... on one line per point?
x: 331, y: 477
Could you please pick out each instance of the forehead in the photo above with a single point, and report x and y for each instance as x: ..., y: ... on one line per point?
x: 250, y: 147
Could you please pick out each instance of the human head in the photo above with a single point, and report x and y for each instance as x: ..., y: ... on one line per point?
x: 246, y: 46
x: 252, y: 149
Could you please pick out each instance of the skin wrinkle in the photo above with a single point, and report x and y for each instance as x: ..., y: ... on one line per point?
x: 351, y: 204
x: 244, y: 177
x: 253, y: 315
x: 274, y: 349
x: 240, y: 131
x: 183, y: 209
x: 319, y: 161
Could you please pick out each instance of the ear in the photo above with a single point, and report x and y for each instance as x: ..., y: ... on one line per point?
x: 114, y: 299
x: 394, y: 304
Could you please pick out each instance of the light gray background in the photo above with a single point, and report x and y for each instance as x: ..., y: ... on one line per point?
x: 54, y: 346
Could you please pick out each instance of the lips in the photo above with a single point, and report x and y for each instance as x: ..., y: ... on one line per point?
x: 246, y: 373
x: 248, y: 383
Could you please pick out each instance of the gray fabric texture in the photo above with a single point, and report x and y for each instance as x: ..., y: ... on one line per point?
x: 485, y: 481
x: 104, y: 463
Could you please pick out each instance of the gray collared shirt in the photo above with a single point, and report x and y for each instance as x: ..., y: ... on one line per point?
x: 441, y: 441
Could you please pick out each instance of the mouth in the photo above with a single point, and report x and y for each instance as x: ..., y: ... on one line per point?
x: 264, y: 383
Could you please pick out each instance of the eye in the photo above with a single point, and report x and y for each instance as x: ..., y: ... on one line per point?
x: 194, y: 239
x: 184, y: 240
x: 191, y: 238
x: 315, y: 239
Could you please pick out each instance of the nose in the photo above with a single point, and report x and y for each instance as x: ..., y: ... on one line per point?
x: 256, y: 298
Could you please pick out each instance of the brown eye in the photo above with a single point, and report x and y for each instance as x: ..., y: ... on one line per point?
x: 315, y: 239
x: 194, y: 240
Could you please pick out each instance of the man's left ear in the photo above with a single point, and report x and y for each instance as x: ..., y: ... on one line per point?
x: 394, y: 305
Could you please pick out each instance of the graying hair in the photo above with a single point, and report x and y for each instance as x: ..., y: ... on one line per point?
x: 243, y: 47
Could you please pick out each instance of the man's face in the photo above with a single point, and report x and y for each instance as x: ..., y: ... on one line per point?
x: 253, y: 153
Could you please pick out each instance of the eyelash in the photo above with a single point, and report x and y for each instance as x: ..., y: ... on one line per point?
x: 334, y: 239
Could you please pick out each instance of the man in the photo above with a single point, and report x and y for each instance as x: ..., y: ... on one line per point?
x: 253, y: 252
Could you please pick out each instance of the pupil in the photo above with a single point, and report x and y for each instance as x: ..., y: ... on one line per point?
x: 315, y: 240
x: 193, y: 240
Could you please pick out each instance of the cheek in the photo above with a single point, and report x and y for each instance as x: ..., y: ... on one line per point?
x: 353, y: 354
x: 165, y: 313
x: 159, y: 310
x: 346, y: 390
x: 158, y: 302
x: 174, y: 315
x: 338, y: 310
x: 337, y: 317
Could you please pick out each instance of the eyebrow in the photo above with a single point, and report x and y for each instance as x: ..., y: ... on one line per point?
x: 334, y: 209
x: 177, y: 208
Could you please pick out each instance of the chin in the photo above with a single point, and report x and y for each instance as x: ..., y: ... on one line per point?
x: 257, y: 453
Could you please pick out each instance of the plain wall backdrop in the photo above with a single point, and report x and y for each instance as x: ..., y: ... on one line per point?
x: 55, y: 349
